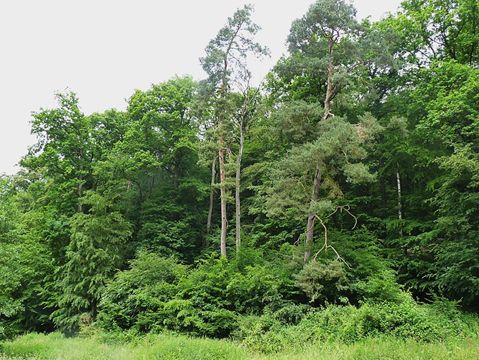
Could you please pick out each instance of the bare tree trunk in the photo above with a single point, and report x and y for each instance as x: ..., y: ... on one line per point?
x: 224, y: 220
x: 312, y: 216
x: 212, y: 198
x: 238, y: 189
x: 400, y: 215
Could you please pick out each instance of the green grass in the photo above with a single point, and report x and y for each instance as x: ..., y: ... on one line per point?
x: 56, y: 347
x: 388, y: 349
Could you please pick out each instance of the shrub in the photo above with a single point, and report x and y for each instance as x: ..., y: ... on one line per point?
x: 157, y: 293
x: 269, y: 332
x: 218, y: 291
x: 363, y: 275
x: 406, y: 320
x: 291, y: 314
x: 323, y: 282
x: 136, y: 297
x: 381, y: 287
x: 348, y: 324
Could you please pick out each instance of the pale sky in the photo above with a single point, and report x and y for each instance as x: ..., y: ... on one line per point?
x: 105, y: 49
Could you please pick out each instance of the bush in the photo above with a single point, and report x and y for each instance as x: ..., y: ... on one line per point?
x: 291, y: 314
x: 157, y: 293
x: 362, y: 276
x: 348, y: 324
x: 269, y: 332
x: 381, y: 287
x: 217, y: 291
x: 324, y: 282
x: 136, y: 297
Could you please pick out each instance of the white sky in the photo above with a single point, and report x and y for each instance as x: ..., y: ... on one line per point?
x: 105, y: 49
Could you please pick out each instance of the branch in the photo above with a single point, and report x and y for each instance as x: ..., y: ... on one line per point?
x: 346, y: 208
x: 326, y: 245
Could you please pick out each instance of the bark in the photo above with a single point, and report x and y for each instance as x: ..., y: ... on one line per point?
x: 238, y: 189
x: 212, y: 195
x: 312, y: 215
x: 212, y: 199
x: 224, y: 220
x: 400, y: 214
x: 329, y: 84
x: 221, y: 151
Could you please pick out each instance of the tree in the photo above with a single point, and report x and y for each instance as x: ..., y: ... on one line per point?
x: 327, y: 31
x: 438, y: 30
x: 328, y: 26
x: 93, y: 255
x: 225, y: 63
x: 106, y: 220
x: 154, y: 169
x: 337, y: 154
x: 64, y: 150
x: 447, y: 110
x: 26, y: 263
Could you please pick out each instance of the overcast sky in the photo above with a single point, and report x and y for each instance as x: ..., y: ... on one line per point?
x: 104, y: 49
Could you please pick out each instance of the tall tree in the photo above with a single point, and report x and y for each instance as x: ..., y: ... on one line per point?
x: 338, y: 154
x: 225, y: 63
x: 328, y: 26
x: 154, y: 168
x: 64, y: 150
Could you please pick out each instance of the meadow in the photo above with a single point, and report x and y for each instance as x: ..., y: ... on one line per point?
x: 56, y: 347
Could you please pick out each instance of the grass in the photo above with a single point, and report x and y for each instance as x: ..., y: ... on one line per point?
x: 165, y: 347
x: 388, y: 349
x: 55, y: 346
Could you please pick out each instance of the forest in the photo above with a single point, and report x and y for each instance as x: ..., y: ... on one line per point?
x: 329, y: 211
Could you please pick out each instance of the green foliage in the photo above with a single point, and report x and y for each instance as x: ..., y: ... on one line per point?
x: 367, y: 130
x: 158, y: 293
x: 348, y: 324
x: 337, y: 151
x: 381, y: 287
x: 93, y: 255
x: 323, y: 282
x: 136, y: 297
x: 439, y: 29
x: 24, y: 268
x: 212, y: 296
x: 232, y: 45
x: 325, y: 35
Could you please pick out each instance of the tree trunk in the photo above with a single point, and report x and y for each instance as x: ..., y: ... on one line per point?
x: 329, y: 84
x: 238, y: 189
x: 212, y: 199
x: 400, y: 215
x: 221, y: 139
x: 224, y: 220
x: 312, y: 216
